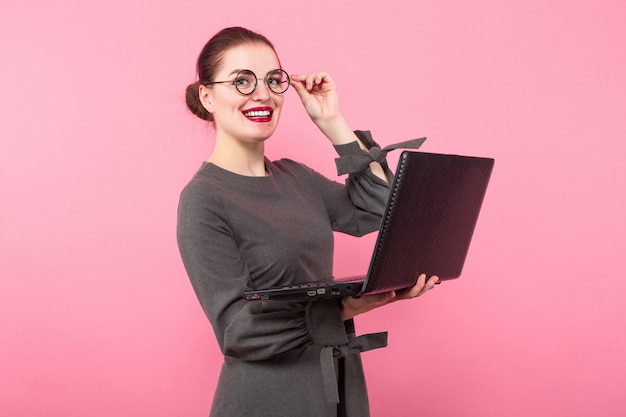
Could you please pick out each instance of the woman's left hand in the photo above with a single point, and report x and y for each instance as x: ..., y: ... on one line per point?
x: 351, y: 307
x: 418, y: 289
x: 318, y: 94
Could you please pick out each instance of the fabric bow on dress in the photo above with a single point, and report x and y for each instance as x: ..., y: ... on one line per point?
x: 354, y: 159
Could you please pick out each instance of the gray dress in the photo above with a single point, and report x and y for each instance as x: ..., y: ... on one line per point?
x: 237, y: 233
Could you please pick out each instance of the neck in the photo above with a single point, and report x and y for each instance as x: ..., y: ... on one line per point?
x: 241, y: 158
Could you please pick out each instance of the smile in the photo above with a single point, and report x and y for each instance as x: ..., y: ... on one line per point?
x: 263, y: 114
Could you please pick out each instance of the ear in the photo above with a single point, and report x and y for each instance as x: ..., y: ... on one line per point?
x: 206, y: 98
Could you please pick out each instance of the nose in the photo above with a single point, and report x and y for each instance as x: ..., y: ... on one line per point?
x: 261, y: 92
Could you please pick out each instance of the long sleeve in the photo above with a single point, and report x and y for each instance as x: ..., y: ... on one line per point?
x: 219, y: 275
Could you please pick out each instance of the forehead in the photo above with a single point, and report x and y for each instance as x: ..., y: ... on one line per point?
x: 256, y: 57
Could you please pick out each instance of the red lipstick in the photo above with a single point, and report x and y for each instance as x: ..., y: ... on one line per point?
x: 259, y: 114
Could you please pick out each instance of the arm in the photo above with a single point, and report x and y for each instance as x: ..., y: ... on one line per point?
x: 245, y: 330
x: 318, y: 94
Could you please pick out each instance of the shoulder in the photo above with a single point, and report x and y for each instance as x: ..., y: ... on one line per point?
x: 290, y: 168
x: 287, y: 164
x: 203, y: 189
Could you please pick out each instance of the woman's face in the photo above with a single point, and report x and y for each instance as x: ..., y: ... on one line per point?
x: 246, y: 118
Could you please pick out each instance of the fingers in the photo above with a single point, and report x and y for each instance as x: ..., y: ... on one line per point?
x: 309, y: 81
x: 351, y: 307
x: 417, y: 289
x: 420, y: 287
x: 430, y: 284
x: 318, y: 94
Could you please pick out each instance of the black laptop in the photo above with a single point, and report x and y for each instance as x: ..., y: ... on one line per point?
x: 427, y: 227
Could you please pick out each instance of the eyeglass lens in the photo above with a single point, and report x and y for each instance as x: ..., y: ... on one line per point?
x: 276, y: 80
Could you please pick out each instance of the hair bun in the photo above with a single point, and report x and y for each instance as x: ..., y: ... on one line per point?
x: 192, y: 97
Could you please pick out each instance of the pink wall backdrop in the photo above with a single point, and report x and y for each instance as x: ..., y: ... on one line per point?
x: 97, y: 317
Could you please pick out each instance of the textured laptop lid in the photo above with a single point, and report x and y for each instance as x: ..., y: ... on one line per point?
x: 433, y: 209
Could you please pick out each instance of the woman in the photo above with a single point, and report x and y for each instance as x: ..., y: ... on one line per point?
x: 246, y: 222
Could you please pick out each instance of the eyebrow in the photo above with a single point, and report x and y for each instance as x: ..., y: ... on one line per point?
x: 234, y: 72
x: 238, y: 70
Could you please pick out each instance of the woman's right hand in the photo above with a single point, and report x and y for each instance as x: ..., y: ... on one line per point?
x: 351, y: 307
x: 318, y: 94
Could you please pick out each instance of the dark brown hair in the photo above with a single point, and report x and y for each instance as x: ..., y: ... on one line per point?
x: 210, y: 59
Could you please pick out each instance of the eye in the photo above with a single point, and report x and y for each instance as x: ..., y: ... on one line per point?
x: 276, y: 78
x: 241, y: 81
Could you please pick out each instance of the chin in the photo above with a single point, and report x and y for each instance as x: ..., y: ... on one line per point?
x: 264, y: 134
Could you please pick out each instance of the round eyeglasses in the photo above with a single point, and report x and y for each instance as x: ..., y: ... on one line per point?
x: 246, y: 81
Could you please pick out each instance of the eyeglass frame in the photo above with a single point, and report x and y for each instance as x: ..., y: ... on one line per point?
x: 256, y: 81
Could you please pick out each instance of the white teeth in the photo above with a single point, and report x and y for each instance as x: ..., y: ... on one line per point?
x: 262, y: 113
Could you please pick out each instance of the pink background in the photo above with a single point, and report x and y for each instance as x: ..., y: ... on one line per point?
x: 97, y: 317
